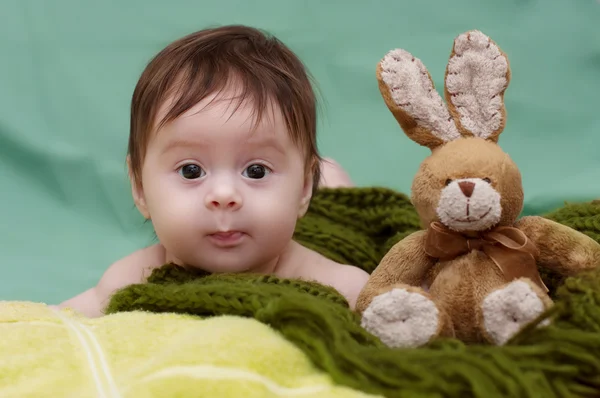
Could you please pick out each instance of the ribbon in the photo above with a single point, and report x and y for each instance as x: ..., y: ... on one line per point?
x: 508, y: 247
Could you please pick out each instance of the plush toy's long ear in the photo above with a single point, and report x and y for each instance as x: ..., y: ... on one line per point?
x: 409, y: 93
x: 477, y: 75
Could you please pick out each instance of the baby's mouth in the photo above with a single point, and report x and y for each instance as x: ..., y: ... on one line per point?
x: 227, y: 238
x: 226, y: 234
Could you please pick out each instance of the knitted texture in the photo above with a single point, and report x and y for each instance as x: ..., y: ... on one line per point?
x: 356, y: 225
x: 561, y: 360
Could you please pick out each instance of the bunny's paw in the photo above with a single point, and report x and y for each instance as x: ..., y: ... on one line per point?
x: 507, y: 310
x: 402, y: 318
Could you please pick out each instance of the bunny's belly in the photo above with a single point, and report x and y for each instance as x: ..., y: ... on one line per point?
x: 460, y: 285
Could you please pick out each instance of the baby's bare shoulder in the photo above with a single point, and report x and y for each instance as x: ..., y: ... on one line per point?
x: 304, y: 263
x: 349, y: 280
x: 134, y: 268
x: 343, y: 273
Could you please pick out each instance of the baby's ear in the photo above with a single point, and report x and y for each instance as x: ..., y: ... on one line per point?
x: 137, y: 191
x: 308, y: 188
x: 477, y: 75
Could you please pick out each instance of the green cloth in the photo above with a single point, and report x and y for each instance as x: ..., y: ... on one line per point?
x: 357, y: 226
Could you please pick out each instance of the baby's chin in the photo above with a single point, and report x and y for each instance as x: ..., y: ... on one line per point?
x: 243, y: 256
x: 224, y: 263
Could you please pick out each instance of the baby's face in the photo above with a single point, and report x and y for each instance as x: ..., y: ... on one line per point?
x: 221, y: 196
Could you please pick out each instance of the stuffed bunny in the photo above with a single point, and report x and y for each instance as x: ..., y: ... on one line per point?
x: 472, y: 271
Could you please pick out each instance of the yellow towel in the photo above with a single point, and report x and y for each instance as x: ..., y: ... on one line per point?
x: 50, y: 353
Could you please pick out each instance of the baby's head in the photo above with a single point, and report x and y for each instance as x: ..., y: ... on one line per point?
x: 222, y: 149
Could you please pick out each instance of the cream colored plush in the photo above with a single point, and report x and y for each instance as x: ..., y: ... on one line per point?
x: 468, y: 187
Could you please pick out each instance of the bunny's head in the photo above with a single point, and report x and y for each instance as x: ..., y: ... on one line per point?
x: 467, y: 183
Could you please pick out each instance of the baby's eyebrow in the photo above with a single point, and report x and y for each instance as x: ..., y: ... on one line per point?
x: 182, y: 143
x: 252, y: 143
x: 266, y: 143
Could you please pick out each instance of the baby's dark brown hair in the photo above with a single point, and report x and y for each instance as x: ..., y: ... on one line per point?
x: 202, y: 63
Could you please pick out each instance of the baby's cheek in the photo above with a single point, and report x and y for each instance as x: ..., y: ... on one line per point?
x: 275, y: 218
x: 172, y: 215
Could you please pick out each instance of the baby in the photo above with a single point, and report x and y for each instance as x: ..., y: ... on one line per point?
x: 223, y: 161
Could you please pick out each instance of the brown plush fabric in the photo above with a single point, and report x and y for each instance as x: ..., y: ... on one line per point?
x: 467, y: 158
x: 406, y: 261
x: 478, y: 71
x: 414, y: 130
x: 562, y: 249
x: 470, y: 186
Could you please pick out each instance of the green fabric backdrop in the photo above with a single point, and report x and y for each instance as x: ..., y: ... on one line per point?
x: 68, y: 68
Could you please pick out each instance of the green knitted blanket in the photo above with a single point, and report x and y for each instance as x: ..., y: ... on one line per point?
x: 358, y: 226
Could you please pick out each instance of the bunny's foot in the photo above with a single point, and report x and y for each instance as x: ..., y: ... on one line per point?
x: 508, y: 309
x: 404, y: 317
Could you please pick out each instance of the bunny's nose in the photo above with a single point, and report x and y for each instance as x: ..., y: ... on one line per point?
x: 467, y: 188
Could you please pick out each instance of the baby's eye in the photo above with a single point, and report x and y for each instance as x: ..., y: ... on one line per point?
x: 191, y: 171
x: 256, y: 171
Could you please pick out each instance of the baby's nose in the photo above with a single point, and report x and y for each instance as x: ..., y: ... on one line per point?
x: 223, y: 198
x: 217, y: 204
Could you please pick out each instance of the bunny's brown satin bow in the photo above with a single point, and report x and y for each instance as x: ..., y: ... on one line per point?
x: 509, y: 248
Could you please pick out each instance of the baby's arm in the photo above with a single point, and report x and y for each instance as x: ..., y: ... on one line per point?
x: 132, y: 269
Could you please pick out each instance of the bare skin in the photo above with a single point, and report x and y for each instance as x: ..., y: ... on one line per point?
x: 296, y: 261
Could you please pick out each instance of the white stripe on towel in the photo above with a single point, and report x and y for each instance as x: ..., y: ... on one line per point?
x: 77, y: 328
x: 102, y: 359
x: 211, y: 372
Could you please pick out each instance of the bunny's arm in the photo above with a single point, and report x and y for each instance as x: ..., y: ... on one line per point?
x: 562, y: 249
x: 405, y: 263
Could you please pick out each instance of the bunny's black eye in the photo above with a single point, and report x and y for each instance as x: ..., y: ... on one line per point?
x: 487, y: 180
x: 448, y: 181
